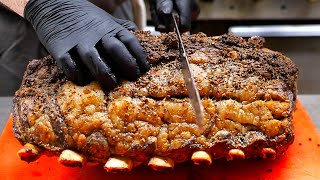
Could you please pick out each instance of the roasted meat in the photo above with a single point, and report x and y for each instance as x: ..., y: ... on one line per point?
x: 248, y: 93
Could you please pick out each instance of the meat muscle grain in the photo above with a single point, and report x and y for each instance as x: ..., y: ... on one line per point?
x: 248, y: 93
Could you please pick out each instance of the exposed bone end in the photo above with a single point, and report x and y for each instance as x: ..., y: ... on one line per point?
x: 29, y: 153
x: 236, y: 154
x: 71, y: 159
x: 118, y: 164
x: 201, y: 158
x: 269, y: 153
x: 161, y: 163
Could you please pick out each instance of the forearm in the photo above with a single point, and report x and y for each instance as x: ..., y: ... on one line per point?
x: 15, y: 5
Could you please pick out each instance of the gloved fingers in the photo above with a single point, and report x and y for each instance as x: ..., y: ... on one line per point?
x: 126, y: 24
x: 164, y: 10
x: 184, y: 8
x: 158, y: 17
x: 97, y: 66
x: 164, y: 7
x: 195, y: 10
x: 158, y: 24
x: 123, y: 62
x: 72, y: 70
x: 135, y: 48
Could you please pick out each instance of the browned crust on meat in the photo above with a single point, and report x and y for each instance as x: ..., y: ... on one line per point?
x: 152, y: 116
x: 41, y: 82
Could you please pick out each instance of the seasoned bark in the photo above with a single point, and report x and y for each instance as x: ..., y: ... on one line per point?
x: 248, y: 93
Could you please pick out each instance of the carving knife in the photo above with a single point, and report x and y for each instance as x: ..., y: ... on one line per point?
x: 188, y: 78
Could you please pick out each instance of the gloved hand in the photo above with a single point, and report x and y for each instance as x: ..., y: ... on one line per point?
x: 87, y: 42
x: 161, y: 10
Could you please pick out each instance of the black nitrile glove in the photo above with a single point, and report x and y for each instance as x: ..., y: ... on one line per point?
x: 87, y: 42
x: 161, y: 11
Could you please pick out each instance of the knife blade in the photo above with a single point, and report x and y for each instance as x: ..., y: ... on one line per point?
x: 193, y: 92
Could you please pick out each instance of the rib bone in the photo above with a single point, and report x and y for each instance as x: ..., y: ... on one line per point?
x: 201, y: 158
x: 29, y: 153
x: 71, y: 158
x: 116, y: 164
x: 236, y: 154
x: 268, y: 153
x: 161, y: 163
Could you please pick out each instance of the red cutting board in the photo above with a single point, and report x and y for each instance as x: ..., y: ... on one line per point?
x: 301, y: 161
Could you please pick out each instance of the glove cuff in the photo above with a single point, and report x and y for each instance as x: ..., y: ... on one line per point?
x: 29, y: 5
x: 26, y: 7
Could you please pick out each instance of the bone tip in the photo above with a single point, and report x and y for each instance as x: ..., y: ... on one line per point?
x: 71, y: 159
x: 269, y: 153
x: 201, y: 158
x: 29, y: 153
x: 236, y: 154
x: 118, y: 164
x: 161, y: 163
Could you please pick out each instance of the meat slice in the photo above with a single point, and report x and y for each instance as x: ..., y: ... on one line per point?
x: 248, y: 93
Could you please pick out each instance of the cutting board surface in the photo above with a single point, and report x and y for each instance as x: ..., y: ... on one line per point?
x: 301, y: 161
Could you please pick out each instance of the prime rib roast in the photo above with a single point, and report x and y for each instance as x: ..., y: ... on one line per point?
x: 248, y: 93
